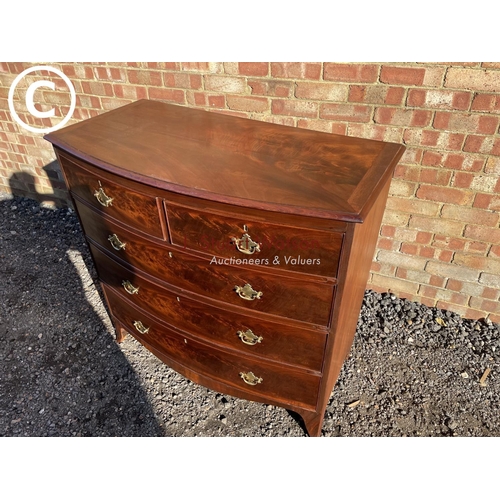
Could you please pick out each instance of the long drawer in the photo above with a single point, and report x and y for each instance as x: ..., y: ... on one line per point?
x: 273, y: 381
x: 252, y: 290
x: 246, y: 334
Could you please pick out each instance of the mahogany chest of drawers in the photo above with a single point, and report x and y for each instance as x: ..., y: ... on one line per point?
x: 236, y: 251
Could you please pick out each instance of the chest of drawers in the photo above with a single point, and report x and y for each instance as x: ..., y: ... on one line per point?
x: 236, y: 251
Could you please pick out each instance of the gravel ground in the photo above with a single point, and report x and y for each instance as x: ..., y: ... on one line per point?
x: 413, y: 370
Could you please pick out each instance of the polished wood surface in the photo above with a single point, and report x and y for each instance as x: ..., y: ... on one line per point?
x: 283, y: 247
x: 129, y: 207
x: 230, y: 159
x: 279, y: 383
x: 191, y: 184
x: 279, y: 342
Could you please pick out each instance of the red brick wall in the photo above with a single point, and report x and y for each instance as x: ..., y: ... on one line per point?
x: 440, y: 239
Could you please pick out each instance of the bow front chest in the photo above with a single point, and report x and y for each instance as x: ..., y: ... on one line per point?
x: 236, y: 251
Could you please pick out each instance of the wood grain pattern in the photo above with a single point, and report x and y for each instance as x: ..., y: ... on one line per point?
x: 290, y: 297
x: 280, y: 342
x: 279, y: 383
x: 230, y: 159
x: 284, y: 247
x: 188, y: 179
x: 129, y: 207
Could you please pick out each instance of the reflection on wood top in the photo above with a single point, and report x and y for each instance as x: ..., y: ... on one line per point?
x: 235, y: 160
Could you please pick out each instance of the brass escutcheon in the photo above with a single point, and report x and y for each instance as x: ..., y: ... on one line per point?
x: 129, y: 288
x: 116, y: 243
x: 249, y: 337
x: 247, y: 292
x: 250, y: 379
x: 103, y: 198
x: 246, y: 245
x: 140, y: 327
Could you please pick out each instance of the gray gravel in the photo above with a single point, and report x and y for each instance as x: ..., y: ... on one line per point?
x: 413, y: 370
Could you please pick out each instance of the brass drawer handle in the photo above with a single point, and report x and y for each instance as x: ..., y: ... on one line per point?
x: 129, y: 288
x: 250, y: 379
x: 103, y: 198
x: 116, y: 243
x: 246, y: 245
x: 140, y: 327
x: 249, y: 337
x: 247, y: 292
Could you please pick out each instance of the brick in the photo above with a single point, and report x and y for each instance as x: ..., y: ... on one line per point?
x: 482, y: 233
x: 409, y: 248
x: 133, y: 92
x: 438, y: 226
x: 485, y: 305
x: 407, y: 172
x: 289, y: 121
x: 303, y: 109
x: 321, y: 91
x: 97, y: 88
x: 394, y: 284
x: 273, y: 88
x: 345, y: 112
x: 376, y: 94
x: 248, y: 103
x: 402, y: 75
x: 434, y: 76
x: 487, y: 201
x: 413, y: 206
x: 149, y: 78
x: 412, y: 275
x: 435, y: 176
x: 462, y: 180
x: 113, y: 103
x: 484, y: 183
x: 473, y: 79
x: 462, y: 311
x: 321, y: 126
x: 182, y: 80
x: 494, y: 251
x: 387, y: 231
x: 452, y: 271
x: 482, y: 144
x: 444, y: 194
x: 402, y: 188
x: 439, y: 99
x: 387, y: 244
x: 375, y: 132
x: 253, y: 68
x: 473, y: 215
x: 307, y: 71
x: 492, y: 166
x: 480, y: 263
x: 488, y: 279
x: 195, y: 66
x: 442, y: 241
x: 434, y: 139
x: 437, y: 281
x: 394, y: 218
x: 489, y: 103
x: 170, y: 95
x: 356, y: 73
x: 478, y: 247
x: 445, y: 255
x: 465, y: 122
x: 230, y: 84
x: 403, y: 117
x: 460, y: 161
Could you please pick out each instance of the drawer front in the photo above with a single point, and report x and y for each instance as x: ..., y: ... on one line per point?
x: 274, y: 341
x: 252, y: 290
x: 290, y: 248
x: 132, y: 208
x: 274, y: 381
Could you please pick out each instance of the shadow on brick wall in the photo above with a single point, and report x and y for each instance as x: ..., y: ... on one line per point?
x: 62, y: 373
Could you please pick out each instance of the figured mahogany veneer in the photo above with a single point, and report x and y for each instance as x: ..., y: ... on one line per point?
x: 236, y: 251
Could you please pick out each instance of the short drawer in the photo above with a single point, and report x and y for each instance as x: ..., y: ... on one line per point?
x: 254, y: 377
x: 252, y: 290
x: 134, y: 209
x: 284, y: 247
x: 249, y: 335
